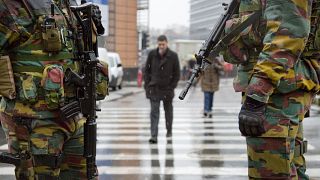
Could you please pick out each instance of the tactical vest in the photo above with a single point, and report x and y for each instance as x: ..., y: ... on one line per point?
x: 40, y: 61
x: 48, y: 41
x: 43, y: 49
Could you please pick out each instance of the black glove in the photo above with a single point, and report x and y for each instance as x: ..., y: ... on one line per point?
x: 251, y: 117
x: 96, y: 16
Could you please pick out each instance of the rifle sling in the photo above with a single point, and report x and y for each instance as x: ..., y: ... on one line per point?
x: 223, y: 43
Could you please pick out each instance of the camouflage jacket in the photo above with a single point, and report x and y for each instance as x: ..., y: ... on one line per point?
x: 38, y: 71
x: 284, y: 27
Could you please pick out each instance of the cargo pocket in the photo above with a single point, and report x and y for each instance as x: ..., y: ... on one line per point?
x: 302, y: 76
x: 307, y: 75
x: 51, y: 35
x: 52, y: 83
x: 7, y: 84
x: 27, y: 89
x: 269, y: 157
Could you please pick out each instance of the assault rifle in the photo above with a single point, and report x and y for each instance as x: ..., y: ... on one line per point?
x: 212, y: 46
x: 10, y: 158
x: 85, y: 83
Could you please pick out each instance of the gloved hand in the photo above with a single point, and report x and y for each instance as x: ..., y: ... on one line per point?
x: 103, y: 68
x: 251, y: 117
x: 96, y: 16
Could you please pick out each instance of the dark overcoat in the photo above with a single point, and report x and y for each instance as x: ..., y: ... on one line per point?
x: 161, y: 74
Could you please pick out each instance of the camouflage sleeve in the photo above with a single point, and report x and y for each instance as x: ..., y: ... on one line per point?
x: 287, y: 29
x: 8, y: 29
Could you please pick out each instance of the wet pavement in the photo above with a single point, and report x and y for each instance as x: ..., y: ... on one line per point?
x: 201, y: 148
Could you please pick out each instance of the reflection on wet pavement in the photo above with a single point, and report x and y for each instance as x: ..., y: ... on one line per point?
x: 200, y: 149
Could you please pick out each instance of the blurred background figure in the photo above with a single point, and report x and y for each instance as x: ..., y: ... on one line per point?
x: 184, y: 72
x: 191, y: 64
x: 210, y: 79
x: 228, y: 68
x: 316, y: 102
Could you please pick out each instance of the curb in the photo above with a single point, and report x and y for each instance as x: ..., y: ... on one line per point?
x: 116, y: 95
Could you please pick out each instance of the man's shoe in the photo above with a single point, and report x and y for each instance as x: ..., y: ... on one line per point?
x: 209, y: 115
x: 169, y: 134
x: 153, y: 140
x: 204, y: 115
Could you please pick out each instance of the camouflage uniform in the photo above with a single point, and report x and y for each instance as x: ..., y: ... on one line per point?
x: 32, y: 123
x: 274, y: 74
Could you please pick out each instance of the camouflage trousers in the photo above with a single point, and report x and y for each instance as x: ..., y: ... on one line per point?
x: 274, y: 154
x: 55, y: 148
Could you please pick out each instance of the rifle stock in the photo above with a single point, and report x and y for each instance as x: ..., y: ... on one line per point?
x: 212, y: 41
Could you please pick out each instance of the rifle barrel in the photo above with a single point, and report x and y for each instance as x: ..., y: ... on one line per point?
x: 194, y: 74
x: 209, y: 44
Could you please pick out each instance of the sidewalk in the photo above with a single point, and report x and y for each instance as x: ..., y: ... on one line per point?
x: 128, y: 88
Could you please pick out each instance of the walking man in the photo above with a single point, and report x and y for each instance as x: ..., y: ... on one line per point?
x: 162, y: 73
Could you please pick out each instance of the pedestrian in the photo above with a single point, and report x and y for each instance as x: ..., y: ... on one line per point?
x: 227, y: 69
x: 39, y: 41
x: 210, y: 79
x: 184, y: 72
x: 277, y: 64
x: 161, y: 76
x: 191, y: 64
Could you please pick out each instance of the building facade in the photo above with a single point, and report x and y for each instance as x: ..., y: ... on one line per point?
x: 204, y: 14
x: 122, y: 36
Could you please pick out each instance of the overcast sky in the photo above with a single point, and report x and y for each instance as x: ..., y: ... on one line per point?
x: 164, y: 13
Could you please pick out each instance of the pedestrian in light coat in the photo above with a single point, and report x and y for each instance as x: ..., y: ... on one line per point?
x: 210, y: 79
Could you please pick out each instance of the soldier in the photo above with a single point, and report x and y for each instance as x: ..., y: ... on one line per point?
x: 278, y: 62
x: 38, y: 37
